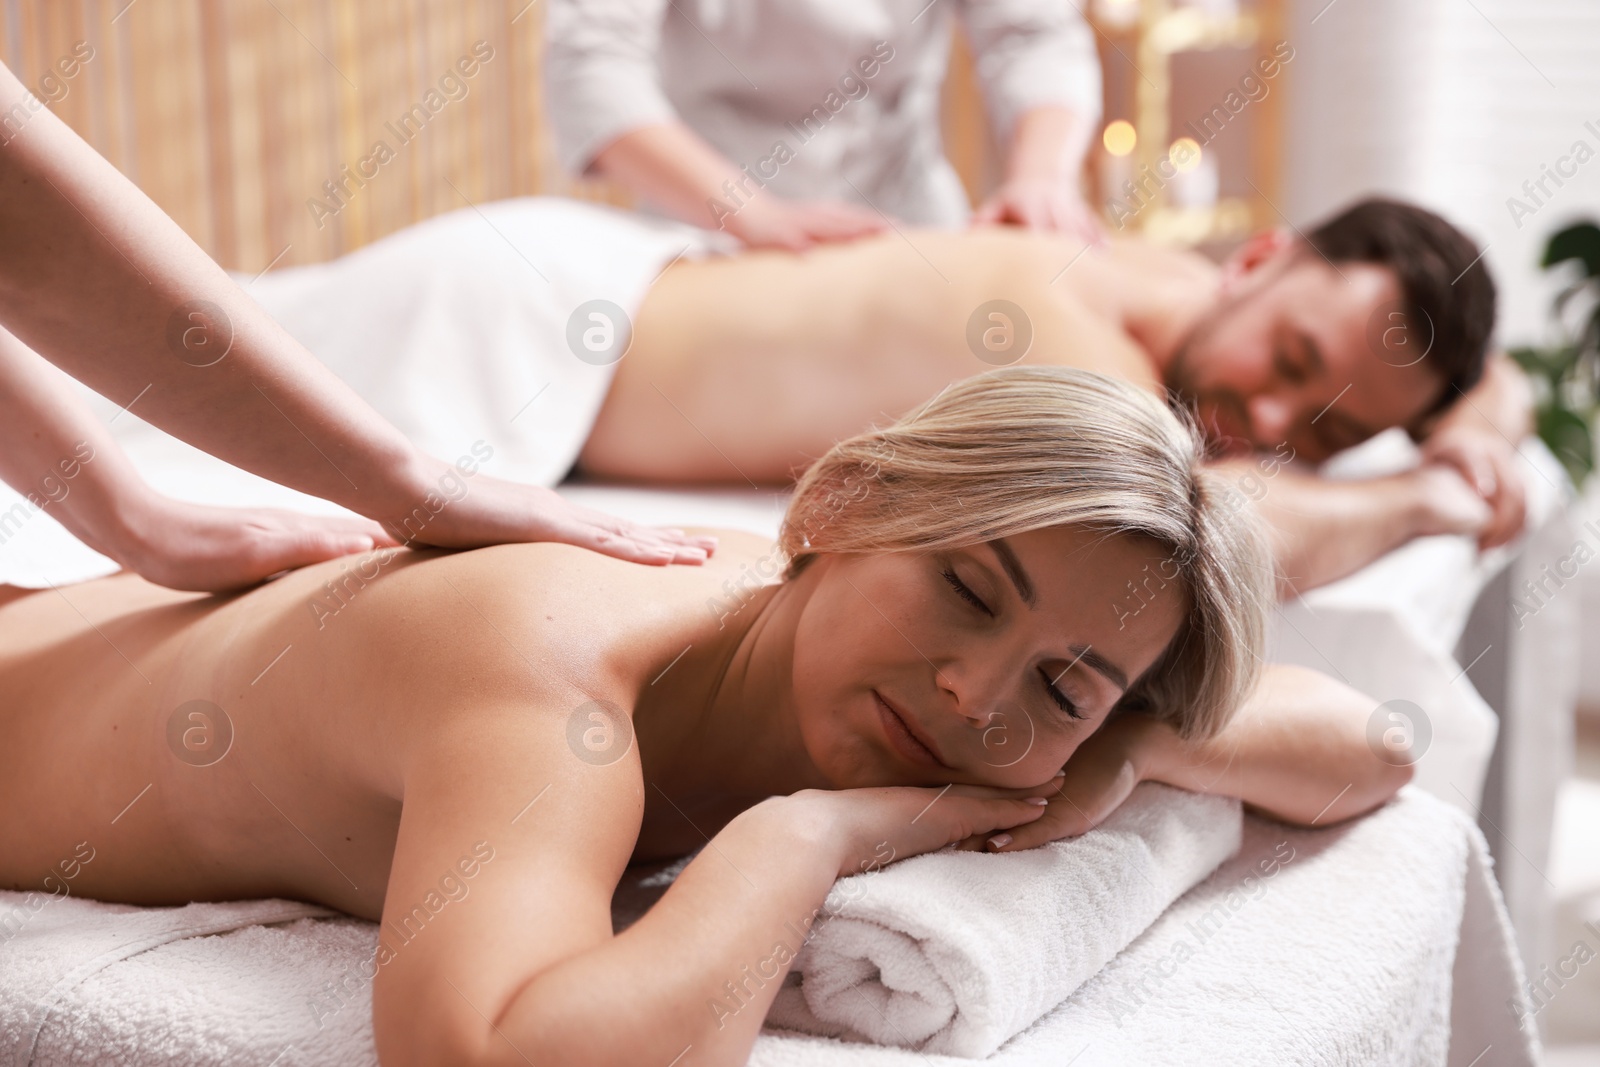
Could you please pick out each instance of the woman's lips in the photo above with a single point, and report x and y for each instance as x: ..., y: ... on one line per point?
x: 900, y: 736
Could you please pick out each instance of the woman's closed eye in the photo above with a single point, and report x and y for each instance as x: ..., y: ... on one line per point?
x: 965, y: 592
x: 1063, y: 701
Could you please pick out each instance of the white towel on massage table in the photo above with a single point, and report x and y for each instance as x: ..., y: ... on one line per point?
x: 956, y: 952
x: 1382, y: 942
x: 1327, y: 948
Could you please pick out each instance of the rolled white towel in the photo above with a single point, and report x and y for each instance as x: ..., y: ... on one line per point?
x: 956, y: 952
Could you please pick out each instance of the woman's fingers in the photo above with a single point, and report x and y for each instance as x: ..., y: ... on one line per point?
x: 1078, y: 806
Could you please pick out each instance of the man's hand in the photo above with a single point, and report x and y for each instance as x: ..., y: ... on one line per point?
x: 1041, y: 204
x: 1490, y: 466
x: 1442, y: 502
x: 770, y: 221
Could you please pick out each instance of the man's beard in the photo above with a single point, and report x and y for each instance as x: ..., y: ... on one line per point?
x: 1186, y: 393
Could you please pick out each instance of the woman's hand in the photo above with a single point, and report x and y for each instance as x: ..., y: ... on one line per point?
x: 873, y: 827
x: 1042, y: 204
x: 1094, y: 783
x: 769, y: 221
x: 206, y: 549
x: 490, y: 511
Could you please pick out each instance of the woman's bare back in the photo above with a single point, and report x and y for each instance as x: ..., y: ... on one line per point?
x: 256, y: 745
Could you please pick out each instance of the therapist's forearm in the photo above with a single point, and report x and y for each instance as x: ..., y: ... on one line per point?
x: 674, y: 168
x: 97, y: 279
x: 1048, y: 144
x: 55, y: 452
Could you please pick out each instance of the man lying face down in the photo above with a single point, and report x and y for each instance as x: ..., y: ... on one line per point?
x: 1301, y: 344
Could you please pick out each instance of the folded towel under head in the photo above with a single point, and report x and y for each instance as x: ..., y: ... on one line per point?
x: 956, y: 952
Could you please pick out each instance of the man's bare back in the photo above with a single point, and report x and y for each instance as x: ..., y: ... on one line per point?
x: 748, y: 367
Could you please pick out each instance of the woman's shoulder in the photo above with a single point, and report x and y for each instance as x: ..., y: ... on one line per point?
x: 589, y: 613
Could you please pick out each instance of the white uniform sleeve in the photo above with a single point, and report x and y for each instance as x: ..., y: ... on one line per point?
x: 600, y: 74
x: 1029, y: 53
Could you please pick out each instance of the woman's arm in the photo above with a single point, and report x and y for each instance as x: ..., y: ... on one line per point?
x: 675, y: 169
x: 515, y: 962
x: 1041, y: 190
x: 98, y: 280
x: 612, y: 119
x: 1298, y: 750
x: 57, y: 454
x: 1041, y: 81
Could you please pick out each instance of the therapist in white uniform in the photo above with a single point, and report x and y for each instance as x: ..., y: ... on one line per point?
x: 793, y: 122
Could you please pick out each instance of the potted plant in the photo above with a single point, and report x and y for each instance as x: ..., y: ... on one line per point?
x: 1566, y: 377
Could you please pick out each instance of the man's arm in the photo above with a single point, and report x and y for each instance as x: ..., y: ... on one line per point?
x: 1323, y: 529
x: 96, y: 279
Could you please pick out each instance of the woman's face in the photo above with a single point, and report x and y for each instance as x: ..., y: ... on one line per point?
x: 998, y: 658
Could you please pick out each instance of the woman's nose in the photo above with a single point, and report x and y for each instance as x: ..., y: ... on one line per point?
x: 975, y: 688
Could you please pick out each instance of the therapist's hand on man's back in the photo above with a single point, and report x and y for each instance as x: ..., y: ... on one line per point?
x: 770, y: 221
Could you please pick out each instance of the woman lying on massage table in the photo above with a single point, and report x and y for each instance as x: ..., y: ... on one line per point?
x: 473, y: 746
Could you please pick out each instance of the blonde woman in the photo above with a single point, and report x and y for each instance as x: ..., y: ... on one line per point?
x: 1032, y: 572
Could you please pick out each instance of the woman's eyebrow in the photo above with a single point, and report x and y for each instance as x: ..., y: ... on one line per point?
x: 1090, y: 658
x: 1013, y: 568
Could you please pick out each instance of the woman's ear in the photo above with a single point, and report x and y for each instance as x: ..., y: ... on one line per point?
x: 1257, y: 251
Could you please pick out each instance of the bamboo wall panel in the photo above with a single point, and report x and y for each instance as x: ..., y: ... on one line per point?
x: 234, y: 114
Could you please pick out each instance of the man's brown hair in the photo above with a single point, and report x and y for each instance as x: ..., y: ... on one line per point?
x: 1447, y: 296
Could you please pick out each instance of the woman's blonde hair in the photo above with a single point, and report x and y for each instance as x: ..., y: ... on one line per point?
x: 1026, y: 448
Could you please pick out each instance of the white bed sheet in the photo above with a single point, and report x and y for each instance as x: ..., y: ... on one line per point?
x: 1334, y: 947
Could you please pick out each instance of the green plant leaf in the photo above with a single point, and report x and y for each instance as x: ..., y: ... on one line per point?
x: 1580, y: 241
x: 1567, y: 434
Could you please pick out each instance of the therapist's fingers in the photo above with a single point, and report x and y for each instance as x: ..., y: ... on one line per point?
x: 637, y: 543
x: 206, y: 549
x: 834, y: 221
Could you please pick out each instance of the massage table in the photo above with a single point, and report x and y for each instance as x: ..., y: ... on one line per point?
x: 1385, y: 941
x: 1388, y: 942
